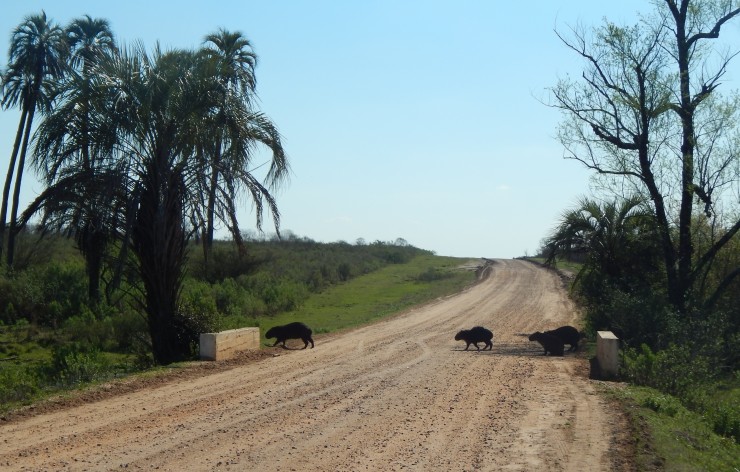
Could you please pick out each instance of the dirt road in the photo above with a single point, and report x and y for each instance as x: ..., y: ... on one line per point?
x: 400, y: 394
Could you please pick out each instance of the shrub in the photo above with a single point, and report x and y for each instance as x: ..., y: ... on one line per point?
x: 18, y: 384
x: 276, y: 294
x: 198, y: 309
x: 45, y: 295
x: 75, y: 363
x: 87, y: 329
x: 344, y: 271
x: 689, y: 378
x: 665, y: 404
x: 674, y: 370
x: 636, y: 317
x: 130, y: 331
x: 725, y: 419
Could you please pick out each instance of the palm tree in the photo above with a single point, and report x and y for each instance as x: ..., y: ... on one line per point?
x: 90, y: 40
x: 608, y: 235
x: 151, y: 127
x: 236, y: 61
x: 37, y: 52
x: 66, y: 153
x: 163, y: 106
x: 232, y: 134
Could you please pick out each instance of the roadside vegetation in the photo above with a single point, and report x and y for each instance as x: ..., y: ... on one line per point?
x: 142, y: 152
x: 139, y: 152
x: 659, y: 243
x: 52, y: 341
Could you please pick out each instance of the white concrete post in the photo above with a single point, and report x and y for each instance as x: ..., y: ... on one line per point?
x: 607, y: 353
x: 224, y: 345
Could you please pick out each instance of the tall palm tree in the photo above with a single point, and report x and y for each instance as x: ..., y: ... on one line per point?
x: 233, y: 134
x: 150, y: 116
x: 90, y: 40
x: 36, y: 60
x: 236, y: 61
x: 163, y: 106
x: 150, y: 107
x: 66, y: 152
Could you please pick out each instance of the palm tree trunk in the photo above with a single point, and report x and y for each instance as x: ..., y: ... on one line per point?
x: 125, y: 239
x: 9, y: 179
x: 94, y: 242
x: 159, y: 244
x: 210, y: 215
x: 17, y: 190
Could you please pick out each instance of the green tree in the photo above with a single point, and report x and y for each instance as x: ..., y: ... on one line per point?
x: 131, y: 145
x: 644, y: 117
x: 36, y: 60
x: 232, y: 135
x: 615, y: 237
x: 89, y: 40
x: 620, y: 282
x: 162, y: 105
x: 67, y: 156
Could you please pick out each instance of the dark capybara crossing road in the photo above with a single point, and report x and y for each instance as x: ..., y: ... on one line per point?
x: 551, y: 344
x: 475, y: 335
x: 295, y: 330
x: 568, y: 334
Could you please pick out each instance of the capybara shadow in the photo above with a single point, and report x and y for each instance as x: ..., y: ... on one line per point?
x: 295, y: 330
x: 552, y: 344
x: 475, y: 335
x: 568, y: 334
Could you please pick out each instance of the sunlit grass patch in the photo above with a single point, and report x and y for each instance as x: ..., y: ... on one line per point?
x: 672, y: 437
x: 381, y: 293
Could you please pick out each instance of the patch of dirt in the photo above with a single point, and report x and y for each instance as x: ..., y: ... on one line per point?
x: 397, y: 394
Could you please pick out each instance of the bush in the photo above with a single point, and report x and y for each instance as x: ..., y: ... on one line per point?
x: 85, y: 328
x: 689, y: 378
x: 129, y: 330
x: 714, y: 336
x: 76, y: 363
x: 725, y: 419
x: 45, y: 295
x: 674, y: 370
x: 197, y: 309
x: 18, y: 384
x: 636, y: 317
x: 665, y: 404
x: 275, y: 294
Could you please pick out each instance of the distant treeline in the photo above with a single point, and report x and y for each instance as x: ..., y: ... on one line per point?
x: 49, y: 284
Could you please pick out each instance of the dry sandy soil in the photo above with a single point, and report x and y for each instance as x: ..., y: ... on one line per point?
x: 399, y: 394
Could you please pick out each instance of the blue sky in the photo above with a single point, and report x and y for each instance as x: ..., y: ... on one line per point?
x: 411, y: 119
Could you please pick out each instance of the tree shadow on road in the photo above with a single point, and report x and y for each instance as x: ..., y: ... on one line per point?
x: 517, y: 349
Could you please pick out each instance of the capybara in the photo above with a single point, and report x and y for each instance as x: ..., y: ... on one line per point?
x: 551, y: 344
x: 295, y: 330
x: 568, y: 334
x: 475, y: 335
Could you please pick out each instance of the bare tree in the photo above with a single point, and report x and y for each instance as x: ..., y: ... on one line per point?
x: 647, y: 113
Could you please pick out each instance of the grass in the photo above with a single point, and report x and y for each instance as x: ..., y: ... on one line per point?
x: 378, y: 294
x: 670, y: 437
x: 25, y: 350
x: 667, y: 435
x: 562, y: 264
x: 26, y: 357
